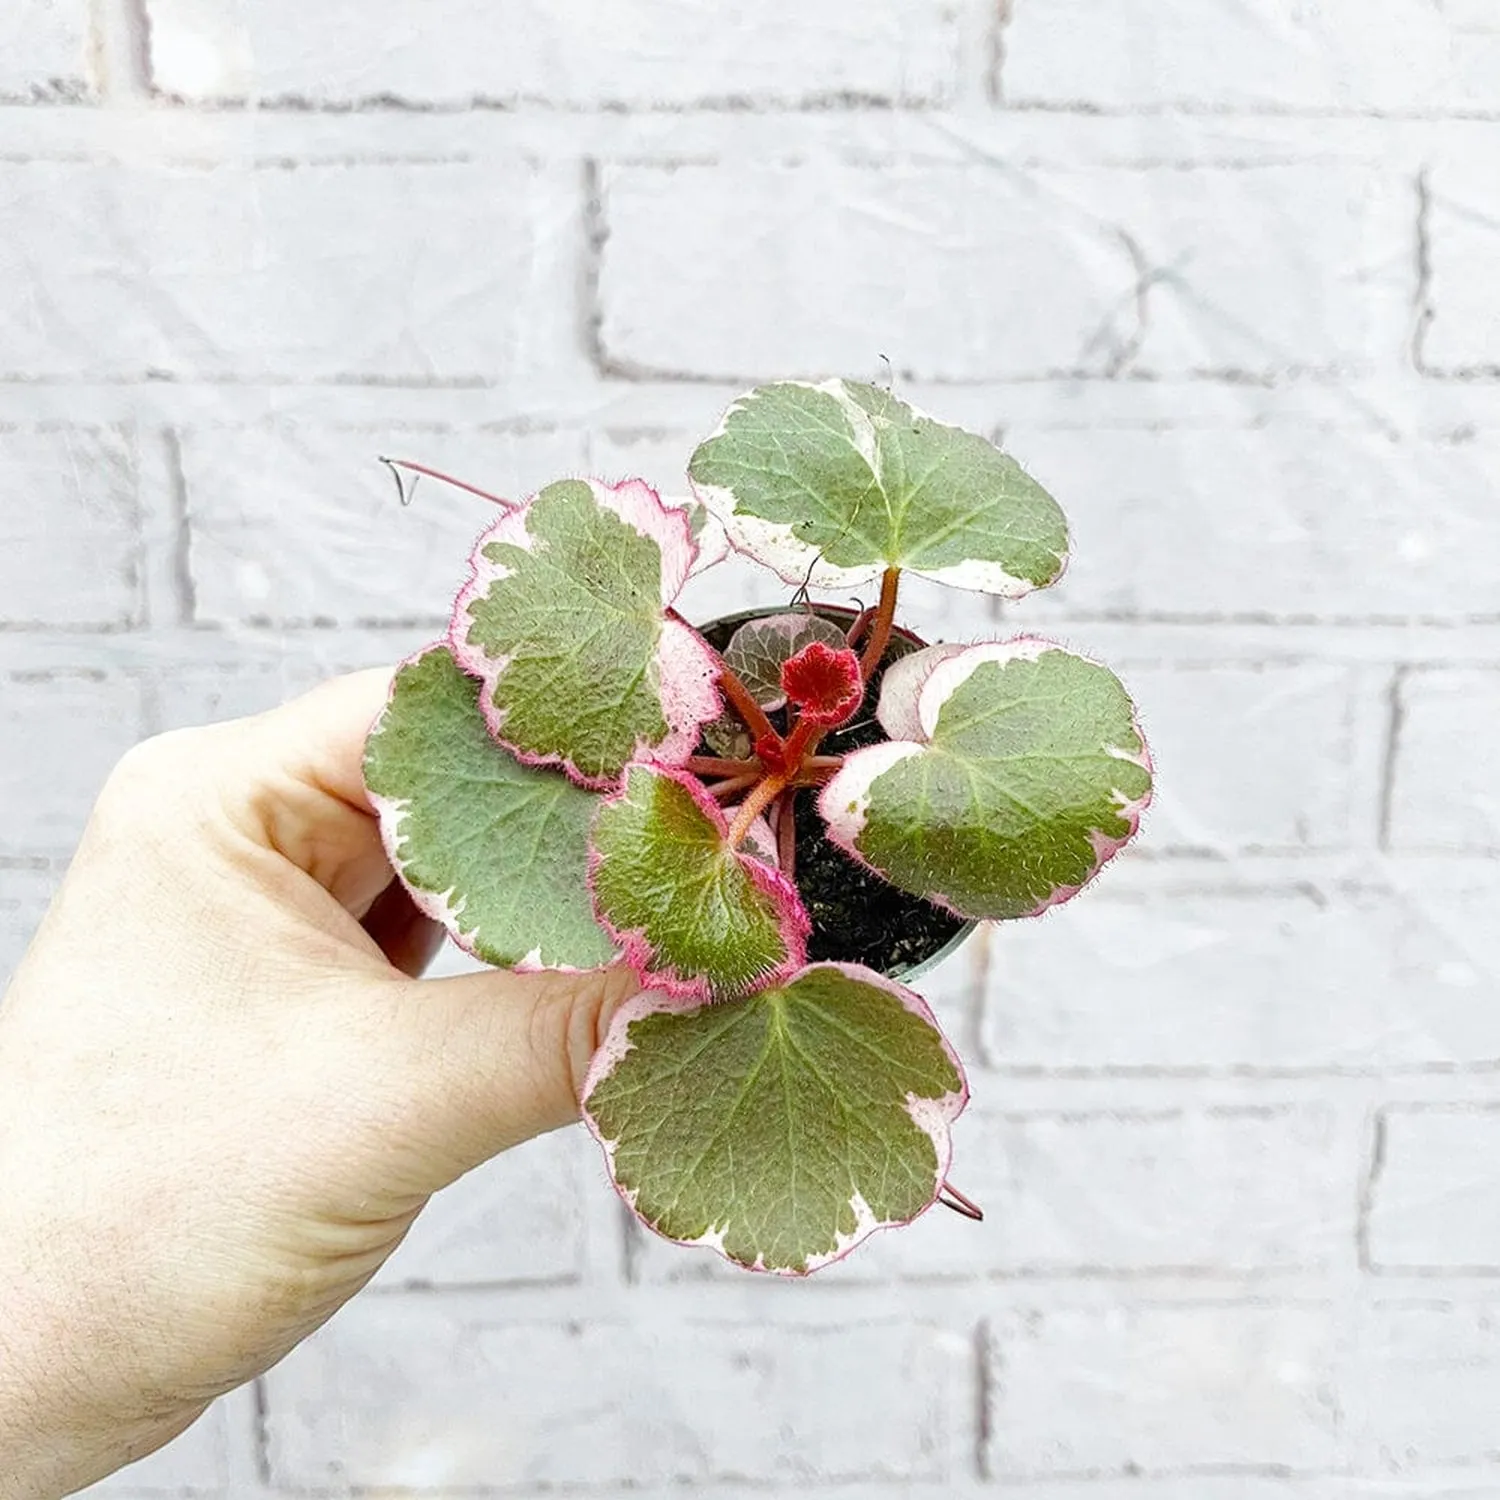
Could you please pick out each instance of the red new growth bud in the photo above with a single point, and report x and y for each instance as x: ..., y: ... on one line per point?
x: 825, y: 684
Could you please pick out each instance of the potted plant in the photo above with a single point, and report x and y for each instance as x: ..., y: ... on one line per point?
x: 578, y: 777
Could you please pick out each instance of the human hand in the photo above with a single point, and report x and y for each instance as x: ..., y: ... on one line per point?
x: 224, y: 1100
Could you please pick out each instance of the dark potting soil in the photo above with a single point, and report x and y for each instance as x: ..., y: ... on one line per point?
x: 856, y: 916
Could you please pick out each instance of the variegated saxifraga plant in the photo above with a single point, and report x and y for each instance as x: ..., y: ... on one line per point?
x: 576, y: 778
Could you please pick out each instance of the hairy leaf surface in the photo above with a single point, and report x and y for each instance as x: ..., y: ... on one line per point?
x: 564, y: 620
x: 1027, y: 772
x: 693, y: 915
x: 834, y: 483
x: 495, y: 850
x: 781, y: 1128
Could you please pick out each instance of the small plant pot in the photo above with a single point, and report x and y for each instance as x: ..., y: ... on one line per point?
x: 857, y: 917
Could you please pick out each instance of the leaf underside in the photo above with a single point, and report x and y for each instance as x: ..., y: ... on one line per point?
x: 693, y: 914
x: 496, y: 850
x: 1034, y: 775
x: 778, y: 1127
x: 759, y: 648
x: 846, y: 477
x: 565, y: 619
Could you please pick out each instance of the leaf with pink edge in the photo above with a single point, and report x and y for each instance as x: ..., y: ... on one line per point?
x: 1025, y: 771
x: 693, y: 915
x: 494, y: 850
x: 564, y: 618
x: 783, y: 1127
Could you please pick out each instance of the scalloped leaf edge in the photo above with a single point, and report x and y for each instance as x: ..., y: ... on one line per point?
x: 688, y: 668
x: 438, y: 906
x: 844, y: 802
x: 934, y: 1117
x: 794, y: 925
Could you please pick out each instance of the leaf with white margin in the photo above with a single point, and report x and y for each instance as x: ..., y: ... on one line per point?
x: 897, y: 709
x: 494, y: 850
x: 564, y: 620
x: 758, y: 650
x: 781, y: 1128
x: 1025, y: 772
x: 693, y: 915
x: 832, y: 484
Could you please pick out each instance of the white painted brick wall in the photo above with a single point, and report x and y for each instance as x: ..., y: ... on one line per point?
x: 1463, y: 229
x: 454, y: 53
x: 1434, y: 1200
x: 1360, y: 56
x: 1162, y: 1390
x: 1441, y: 800
x: 988, y: 272
x: 729, y: 1400
x: 44, y: 50
x: 1222, y: 275
x: 73, y: 527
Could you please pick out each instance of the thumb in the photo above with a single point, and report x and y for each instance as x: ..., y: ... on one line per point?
x: 487, y: 1061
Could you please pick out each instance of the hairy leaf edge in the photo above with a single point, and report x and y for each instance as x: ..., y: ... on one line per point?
x: 775, y: 545
x: 794, y: 925
x: 688, y: 669
x: 845, y: 802
x: 438, y: 906
x: 933, y: 1117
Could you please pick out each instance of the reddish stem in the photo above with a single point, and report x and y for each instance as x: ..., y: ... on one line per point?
x: 858, y: 628
x: 714, y: 765
x: 786, y: 831
x: 722, y: 789
x: 822, y: 764
x: 950, y: 1197
x: 753, y: 806
x: 458, y: 484
x: 740, y: 699
x: 880, y: 630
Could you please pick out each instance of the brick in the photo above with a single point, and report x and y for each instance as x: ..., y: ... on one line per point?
x: 358, y: 271
x: 1233, y: 1189
x: 569, y: 53
x: 1462, y: 335
x: 1229, y: 1191
x: 964, y: 273
x: 1257, y: 523
x: 70, y: 536
x: 1228, y: 978
x: 517, y: 1219
x: 1112, y: 1391
x: 1444, y: 796
x: 955, y: 272
x: 325, y: 539
x: 1435, y: 1195
x: 44, y: 50
x: 1248, y: 759
x: 65, y: 731
x: 431, y: 1397
x: 1419, y: 1389
x: 194, y: 1464
x: 1344, y: 55
x: 25, y: 893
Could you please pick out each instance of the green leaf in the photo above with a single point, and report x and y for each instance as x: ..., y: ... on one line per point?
x: 781, y: 1128
x: 693, y: 915
x: 564, y: 620
x: 1028, y: 773
x: 843, y: 480
x: 494, y: 850
x: 759, y: 648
